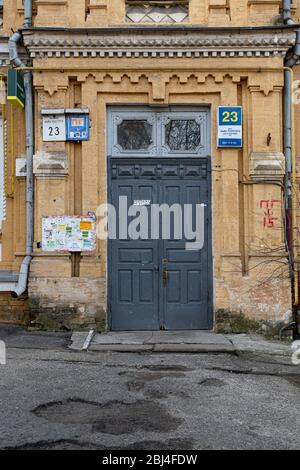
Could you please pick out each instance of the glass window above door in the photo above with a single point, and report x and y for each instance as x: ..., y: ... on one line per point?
x: 182, y: 134
x: 152, y: 11
x: 135, y: 134
x: 178, y: 132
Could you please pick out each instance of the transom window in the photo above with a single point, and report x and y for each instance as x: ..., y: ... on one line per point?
x: 182, y: 134
x: 135, y: 134
x: 158, y: 134
x: 154, y: 11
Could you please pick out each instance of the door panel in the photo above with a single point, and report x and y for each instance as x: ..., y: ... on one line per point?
x: 134, y: 275
x: 159, y: 158
x: 186, y: 297
x: 142, y: 297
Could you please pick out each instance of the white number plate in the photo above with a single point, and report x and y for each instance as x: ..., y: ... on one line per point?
x: 54, y: 128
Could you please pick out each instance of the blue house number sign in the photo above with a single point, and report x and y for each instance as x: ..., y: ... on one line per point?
x: 230, y: 126
x: 78, y: 127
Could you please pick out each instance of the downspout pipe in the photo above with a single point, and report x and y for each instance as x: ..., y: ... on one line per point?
x: 295, y: 56
x: 291, y: 61
x: 15, y: 60
x: 288, y: 131
x: 286, y: 12
x: 27, y: 14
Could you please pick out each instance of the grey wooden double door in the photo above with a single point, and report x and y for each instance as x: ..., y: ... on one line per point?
x: 157, y: 158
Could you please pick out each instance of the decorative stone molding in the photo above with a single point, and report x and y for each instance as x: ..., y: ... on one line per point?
x: 49, y: 85
x: 270, y: 165
x: 50, y: 164
x: 158, y: 42
x: 158, y: 82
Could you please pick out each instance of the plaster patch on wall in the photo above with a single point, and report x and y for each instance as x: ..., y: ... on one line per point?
x: 50, y: 164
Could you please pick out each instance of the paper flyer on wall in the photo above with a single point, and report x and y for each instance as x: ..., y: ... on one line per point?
x: 69, y: 234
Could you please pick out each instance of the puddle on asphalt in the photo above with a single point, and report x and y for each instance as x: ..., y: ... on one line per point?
x: 212, y: 382
x: 115, y: 417
x: 167, y: 368
x: 152, y: 376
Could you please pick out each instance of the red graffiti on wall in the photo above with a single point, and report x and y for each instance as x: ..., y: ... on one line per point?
x: 268, y: 206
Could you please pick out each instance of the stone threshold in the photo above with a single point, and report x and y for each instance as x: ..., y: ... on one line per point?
x: 153, y: 341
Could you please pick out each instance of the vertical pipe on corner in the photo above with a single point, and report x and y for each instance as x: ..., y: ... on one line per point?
x: 15, y: 39
x: 292, y: 60
x: 287, y: 12
x: 27, y: 14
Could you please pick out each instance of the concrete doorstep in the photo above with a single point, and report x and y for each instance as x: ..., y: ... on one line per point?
x: 177, y: 342
x: 156, y: 341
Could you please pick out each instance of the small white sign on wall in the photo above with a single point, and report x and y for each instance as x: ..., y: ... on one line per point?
x: 54, y: 128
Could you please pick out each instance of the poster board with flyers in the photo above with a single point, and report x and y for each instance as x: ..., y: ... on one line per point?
x: 69, y: 234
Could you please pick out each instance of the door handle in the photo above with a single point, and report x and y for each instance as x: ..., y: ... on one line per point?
x: 165, y: 272
x: 165, y: 277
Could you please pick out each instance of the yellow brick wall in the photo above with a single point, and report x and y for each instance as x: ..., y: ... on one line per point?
x: 96, y: 13
x: 248, y: 276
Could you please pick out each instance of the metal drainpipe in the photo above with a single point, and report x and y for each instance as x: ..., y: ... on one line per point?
x: 288, y: 99
x: 287, y: 19
x: 291, y: 61
x: 287, y: 15
x: 27, y: 14
x: 21, y: 287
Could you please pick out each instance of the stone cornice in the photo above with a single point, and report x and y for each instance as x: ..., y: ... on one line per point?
x: 158, y: 43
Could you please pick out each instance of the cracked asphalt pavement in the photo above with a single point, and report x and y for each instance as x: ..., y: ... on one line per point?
x: 54, y: 398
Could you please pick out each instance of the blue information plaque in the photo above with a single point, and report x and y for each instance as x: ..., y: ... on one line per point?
x: 230, y: 126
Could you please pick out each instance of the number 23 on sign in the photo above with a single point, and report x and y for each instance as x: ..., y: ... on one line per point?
x: 229, y: 117
x: 54, y: 128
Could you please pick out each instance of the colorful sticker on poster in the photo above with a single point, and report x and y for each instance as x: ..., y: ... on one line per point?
x: 69, y: 234
x: 86, y: 225
x: 230, y: 127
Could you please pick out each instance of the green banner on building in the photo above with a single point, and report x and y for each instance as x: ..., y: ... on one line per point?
x: 15, y: 86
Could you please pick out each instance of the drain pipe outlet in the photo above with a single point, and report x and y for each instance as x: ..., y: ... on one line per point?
x: 295, y: 56
x: 15, y: 39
